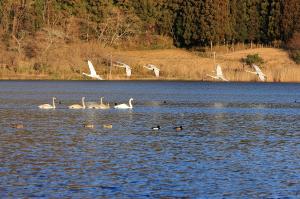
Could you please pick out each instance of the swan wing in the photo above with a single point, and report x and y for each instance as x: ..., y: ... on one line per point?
x: 224, y: 79
x: 261, y: 76
x: 153, y: 67
x: 219, y: 71
x: 212, y: 76
x: 149, y: 68
x: 92, y: 69
x: 128, y: 71
x: 257, y: 69
x: 120, y: 64
x: 98, y: 77
x: 156, y: 72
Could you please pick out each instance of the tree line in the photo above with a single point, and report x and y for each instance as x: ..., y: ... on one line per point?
x: 189, y: 22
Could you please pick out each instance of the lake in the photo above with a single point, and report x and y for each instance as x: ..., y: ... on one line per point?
x: 239, y: 140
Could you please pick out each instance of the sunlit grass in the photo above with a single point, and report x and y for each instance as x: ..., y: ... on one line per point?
x: 69, y: 61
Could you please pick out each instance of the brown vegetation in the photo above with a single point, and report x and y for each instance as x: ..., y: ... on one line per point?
x: 50, y: 57
x: 54, y: 39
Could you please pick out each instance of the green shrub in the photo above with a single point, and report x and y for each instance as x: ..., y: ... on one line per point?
x: 253, y: 59
x: 296, y: 56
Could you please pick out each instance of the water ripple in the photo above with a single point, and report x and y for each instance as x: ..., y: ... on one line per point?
x: 241, y: 147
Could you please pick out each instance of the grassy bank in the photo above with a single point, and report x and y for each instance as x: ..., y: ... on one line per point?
x: 60, y: 61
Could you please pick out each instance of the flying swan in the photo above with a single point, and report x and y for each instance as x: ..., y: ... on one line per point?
x: 258, y: 72
x: 92, y: 71
x: 125, y: 106
x: 219, y: 74
x: 78, y: 106
x: 48, y: 106
x: 153, y: 68
x: 122, y: 65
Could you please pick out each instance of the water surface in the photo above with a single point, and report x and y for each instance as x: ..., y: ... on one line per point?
x: 239, y: 140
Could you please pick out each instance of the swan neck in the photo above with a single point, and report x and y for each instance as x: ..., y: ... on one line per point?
x: 53, y: 102
x: 130, y: 105
x: 83, y: 104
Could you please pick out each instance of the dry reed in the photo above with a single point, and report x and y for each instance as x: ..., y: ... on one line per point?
x: 68, y: 61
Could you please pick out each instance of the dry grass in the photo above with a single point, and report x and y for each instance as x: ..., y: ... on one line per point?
x: 181, y: 64
x: 278, y: 66
x: 68, y: 61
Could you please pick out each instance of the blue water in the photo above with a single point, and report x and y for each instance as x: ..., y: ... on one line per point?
x: 239, y: 140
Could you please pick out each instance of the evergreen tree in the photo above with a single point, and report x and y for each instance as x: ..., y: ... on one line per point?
x: 264, y: 20
x: 274, y: 20
x: 222, y: 20
x: 290, y: 19
x: 253, y: 20
x: 241, y: 21
x: 164, y: 18
x: 190, y: 22
x: 232, y: 34
x: 98, y: 9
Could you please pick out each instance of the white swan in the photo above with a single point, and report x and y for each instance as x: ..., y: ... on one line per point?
x: 153, y: 68
x: 127, y: 67
x: 91, y: 105
x: 48, y: 106
x: 124, y: 106
x: 78, y: 106
x: 99, y: 106
x: 103, y: 106
x: 92, y: 71
x: 258, y: 72
x: 219, y: 74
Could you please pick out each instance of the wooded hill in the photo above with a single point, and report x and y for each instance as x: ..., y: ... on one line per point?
x: 188, y: 22
x: 52, y: 39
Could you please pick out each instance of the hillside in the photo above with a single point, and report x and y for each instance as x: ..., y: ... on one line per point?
x: 54, y: 39
x: 67, y: 62
x: 181, y: 64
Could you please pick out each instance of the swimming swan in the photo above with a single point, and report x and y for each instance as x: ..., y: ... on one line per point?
x: 77, y: 106
x: 99, y: 106
x: 103, y: 106
x: 48, y: 106
x: 124, y: 106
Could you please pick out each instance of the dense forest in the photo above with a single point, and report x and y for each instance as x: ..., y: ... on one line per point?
x: 187, y: 22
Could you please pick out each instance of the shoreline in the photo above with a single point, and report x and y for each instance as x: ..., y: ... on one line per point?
x: 149, y: 80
